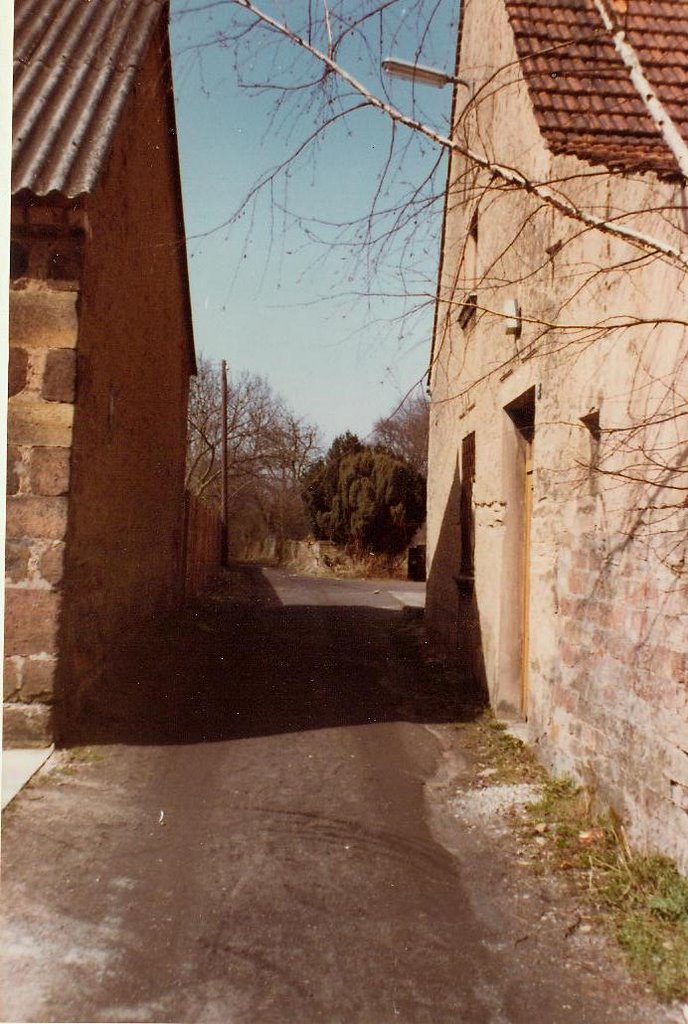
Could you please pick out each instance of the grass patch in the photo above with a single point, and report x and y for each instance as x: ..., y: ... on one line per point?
x: 501, y: 759
x: 642, y: 899
x: 85, y: 755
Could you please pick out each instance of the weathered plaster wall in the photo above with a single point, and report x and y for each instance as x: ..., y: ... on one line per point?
x: 607, y: 686
x: 42, y: 360
x: 124, y: 541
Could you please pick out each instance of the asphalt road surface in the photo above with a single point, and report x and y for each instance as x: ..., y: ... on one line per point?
x: 248, y: 838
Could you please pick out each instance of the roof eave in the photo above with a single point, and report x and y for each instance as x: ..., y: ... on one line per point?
x: 178, y: 199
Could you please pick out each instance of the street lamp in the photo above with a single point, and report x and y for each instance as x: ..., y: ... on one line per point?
x: 420, y: 73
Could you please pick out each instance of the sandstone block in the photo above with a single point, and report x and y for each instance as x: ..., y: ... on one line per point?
x: 578, y: 582
x: 51, y: 565
x: 679, y: 795
x: 670, y: 664
x: 30, y: 515
x: 38, y: 680
x: 574, y: 631
x: 582, y: 560
x: 11, y: 679
x: 59, y: 376
x: 43, y: 317
x: 675, y: 765
x: 26, y: 725
x: 601, y: 613
x: 17, y: 555
x: 49, y: 471
x: 568, y: 607
x: 568, y: 654
x: 31, y: 621
x: 40, y: 423
x: 637, y: 625
x: 13, y: 461
x: 619, y: 612
x: 18, y: 367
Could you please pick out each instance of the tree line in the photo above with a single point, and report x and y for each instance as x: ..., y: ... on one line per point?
x: 367, y: 496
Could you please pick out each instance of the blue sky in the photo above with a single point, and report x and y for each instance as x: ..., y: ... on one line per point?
x: 266, y: 296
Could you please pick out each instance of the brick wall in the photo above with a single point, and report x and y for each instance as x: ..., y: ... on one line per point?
x: 42, y: 376
x: 615, y: 708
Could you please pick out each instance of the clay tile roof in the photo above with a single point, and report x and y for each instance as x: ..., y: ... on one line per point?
x: 74, y: 66
x: 583, y: 97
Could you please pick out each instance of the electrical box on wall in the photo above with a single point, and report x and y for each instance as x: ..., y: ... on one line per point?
x: 512, y: 317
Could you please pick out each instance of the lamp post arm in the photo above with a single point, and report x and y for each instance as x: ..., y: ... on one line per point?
x: 420, y: 73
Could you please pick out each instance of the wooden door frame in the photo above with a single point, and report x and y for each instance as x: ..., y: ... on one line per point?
x: 525, y: 573
x: 511, y: 695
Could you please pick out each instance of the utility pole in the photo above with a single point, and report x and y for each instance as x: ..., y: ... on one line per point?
x: 224, y: 515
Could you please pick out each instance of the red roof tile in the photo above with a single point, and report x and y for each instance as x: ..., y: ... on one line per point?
x: 584, y: 100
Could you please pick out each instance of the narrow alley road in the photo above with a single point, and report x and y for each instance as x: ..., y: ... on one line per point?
x: 247, y: 838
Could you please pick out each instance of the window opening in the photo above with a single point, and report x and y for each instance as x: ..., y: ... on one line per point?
x: 466, y: 513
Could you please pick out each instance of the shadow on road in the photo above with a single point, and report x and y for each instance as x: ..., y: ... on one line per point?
x: 239, y: 664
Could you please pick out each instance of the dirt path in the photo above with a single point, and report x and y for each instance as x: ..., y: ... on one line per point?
x: 259, y: 832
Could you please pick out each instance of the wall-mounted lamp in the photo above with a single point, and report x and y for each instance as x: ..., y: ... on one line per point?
x: 512, y: 317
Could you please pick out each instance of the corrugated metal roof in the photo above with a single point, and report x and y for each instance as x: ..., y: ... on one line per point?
x: 74, y: 65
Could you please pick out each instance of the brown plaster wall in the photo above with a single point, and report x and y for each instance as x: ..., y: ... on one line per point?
x: 124, y: 540
x: 607, y: 664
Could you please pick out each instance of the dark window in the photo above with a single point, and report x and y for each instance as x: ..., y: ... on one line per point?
x: 521, y: 412
x: 473, y: 227
x: 468, y: 310
x: 591, y: 422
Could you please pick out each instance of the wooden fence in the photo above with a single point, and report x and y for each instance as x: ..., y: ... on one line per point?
x: 202, y: 545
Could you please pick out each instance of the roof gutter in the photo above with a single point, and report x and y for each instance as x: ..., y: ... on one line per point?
x: 179, y: 203
x: 447, y: 186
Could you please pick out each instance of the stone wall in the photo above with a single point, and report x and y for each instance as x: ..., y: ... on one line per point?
x: 606, y: 685
x: 42, y: 378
